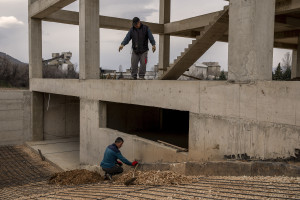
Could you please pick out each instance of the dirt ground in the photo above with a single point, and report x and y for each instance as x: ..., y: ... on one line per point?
x: 75, y: 177
x: 24, y: 176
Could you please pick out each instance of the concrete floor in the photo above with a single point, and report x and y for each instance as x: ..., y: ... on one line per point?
x: 63, y: 152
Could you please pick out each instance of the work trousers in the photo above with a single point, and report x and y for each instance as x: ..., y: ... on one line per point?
x: 135, y: 60
x: 117, y: 169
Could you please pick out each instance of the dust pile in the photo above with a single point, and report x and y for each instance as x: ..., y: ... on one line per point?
x: 154, y: 178
x: 75, y: 177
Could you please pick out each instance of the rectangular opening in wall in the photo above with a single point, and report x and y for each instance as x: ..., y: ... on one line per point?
x: 157, y: 124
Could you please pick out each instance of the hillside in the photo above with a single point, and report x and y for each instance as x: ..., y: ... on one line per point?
x: 11, y: 59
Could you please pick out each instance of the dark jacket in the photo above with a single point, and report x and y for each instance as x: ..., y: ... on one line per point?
x: 139, y: 38
x: 112, y: 153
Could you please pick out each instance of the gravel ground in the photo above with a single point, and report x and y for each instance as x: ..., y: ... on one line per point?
x: 154, y: 178
x: 24, y: 176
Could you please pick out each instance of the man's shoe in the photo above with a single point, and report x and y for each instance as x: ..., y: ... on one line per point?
x: 142, y: 78
x: 132, y: 78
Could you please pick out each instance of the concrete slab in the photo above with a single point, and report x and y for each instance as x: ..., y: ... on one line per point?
x: 63, y: 152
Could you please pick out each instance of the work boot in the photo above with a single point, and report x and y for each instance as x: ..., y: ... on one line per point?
x: 108, y: 177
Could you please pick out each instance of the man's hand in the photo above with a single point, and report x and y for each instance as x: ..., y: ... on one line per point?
x: 134, y: 163
x: 119, y: 163
x: 153, y: 48
x: 121, y: 47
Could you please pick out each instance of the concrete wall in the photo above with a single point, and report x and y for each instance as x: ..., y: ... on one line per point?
x: 61, y: 117
x: 261, y: 119
x: 14, y: 116
x: 94, y: 140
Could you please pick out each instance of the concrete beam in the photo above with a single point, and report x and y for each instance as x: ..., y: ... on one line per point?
x: 288, y: 21
x: 190, y: 23
x: 89, y: 39
x: 41, y: 8
x: 287, y: 34
x: 276, y: 44
x: 281, y: 45
x: 287, y: 6
x: 70, y: 17
x: 179, y: 95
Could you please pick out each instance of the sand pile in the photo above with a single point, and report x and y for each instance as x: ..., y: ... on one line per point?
x: 75, y: 177
x: 154, y: 178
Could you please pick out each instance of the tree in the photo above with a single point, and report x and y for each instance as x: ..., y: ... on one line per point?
x: 222, y: 75
x: 278, y: 73
x: 287, y: 75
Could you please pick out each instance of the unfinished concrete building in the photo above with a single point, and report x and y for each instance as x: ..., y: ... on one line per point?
x: 248, y: 114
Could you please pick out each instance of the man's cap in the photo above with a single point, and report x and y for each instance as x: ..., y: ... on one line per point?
x: 135, y: 20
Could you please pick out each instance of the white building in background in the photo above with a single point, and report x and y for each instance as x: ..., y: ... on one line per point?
x: 203, y: 71
x: 60, y: 61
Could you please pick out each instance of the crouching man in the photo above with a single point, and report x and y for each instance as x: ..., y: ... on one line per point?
x: 110, y: 164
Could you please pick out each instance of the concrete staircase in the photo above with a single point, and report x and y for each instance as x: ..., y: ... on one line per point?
x: 211, y: 33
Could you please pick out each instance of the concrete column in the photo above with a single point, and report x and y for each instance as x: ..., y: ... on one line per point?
x: 36, y: 71
x: 102, y: 114
x: 89, y: 128
x: 294, y: 64
x: 37, y: 116
x: 296, y: 61
x: 164, y: 40
x: 35, y: 48
x: 89, y: 45
x: 251, y: 40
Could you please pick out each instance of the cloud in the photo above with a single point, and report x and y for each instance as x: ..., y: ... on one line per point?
x: 10, y: 21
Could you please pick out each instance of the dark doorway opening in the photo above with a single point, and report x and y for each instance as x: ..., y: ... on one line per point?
x: 171, y: 126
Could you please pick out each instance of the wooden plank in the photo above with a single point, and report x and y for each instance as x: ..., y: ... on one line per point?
x: 179, y: 149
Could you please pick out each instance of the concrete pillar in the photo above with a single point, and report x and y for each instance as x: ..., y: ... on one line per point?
x: 296, y: 61
x: 35, y: 48
x: 89, y: 49
x: 37, y: 116
x: 102, y: 114
x: 89, y: 127
x: 36, y: 71
x: 294, y: 64
x: 164, y: 40
x: 251, y: 40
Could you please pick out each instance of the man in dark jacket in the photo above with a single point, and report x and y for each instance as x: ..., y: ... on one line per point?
x: 110, y: 163
x: 140, y: 34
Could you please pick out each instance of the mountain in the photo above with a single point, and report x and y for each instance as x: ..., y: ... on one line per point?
x: 11, y: 59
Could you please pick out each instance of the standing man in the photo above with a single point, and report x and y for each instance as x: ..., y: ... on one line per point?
x: 140, y: 34
x: 110, y: 163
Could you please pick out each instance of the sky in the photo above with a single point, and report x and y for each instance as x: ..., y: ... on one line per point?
x: 59, y: 38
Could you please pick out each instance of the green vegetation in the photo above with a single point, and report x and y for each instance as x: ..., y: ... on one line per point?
x: 222, y: 76
x: 279, y: 75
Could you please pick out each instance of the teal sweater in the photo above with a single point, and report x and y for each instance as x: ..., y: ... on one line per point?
x: 111, y: 154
